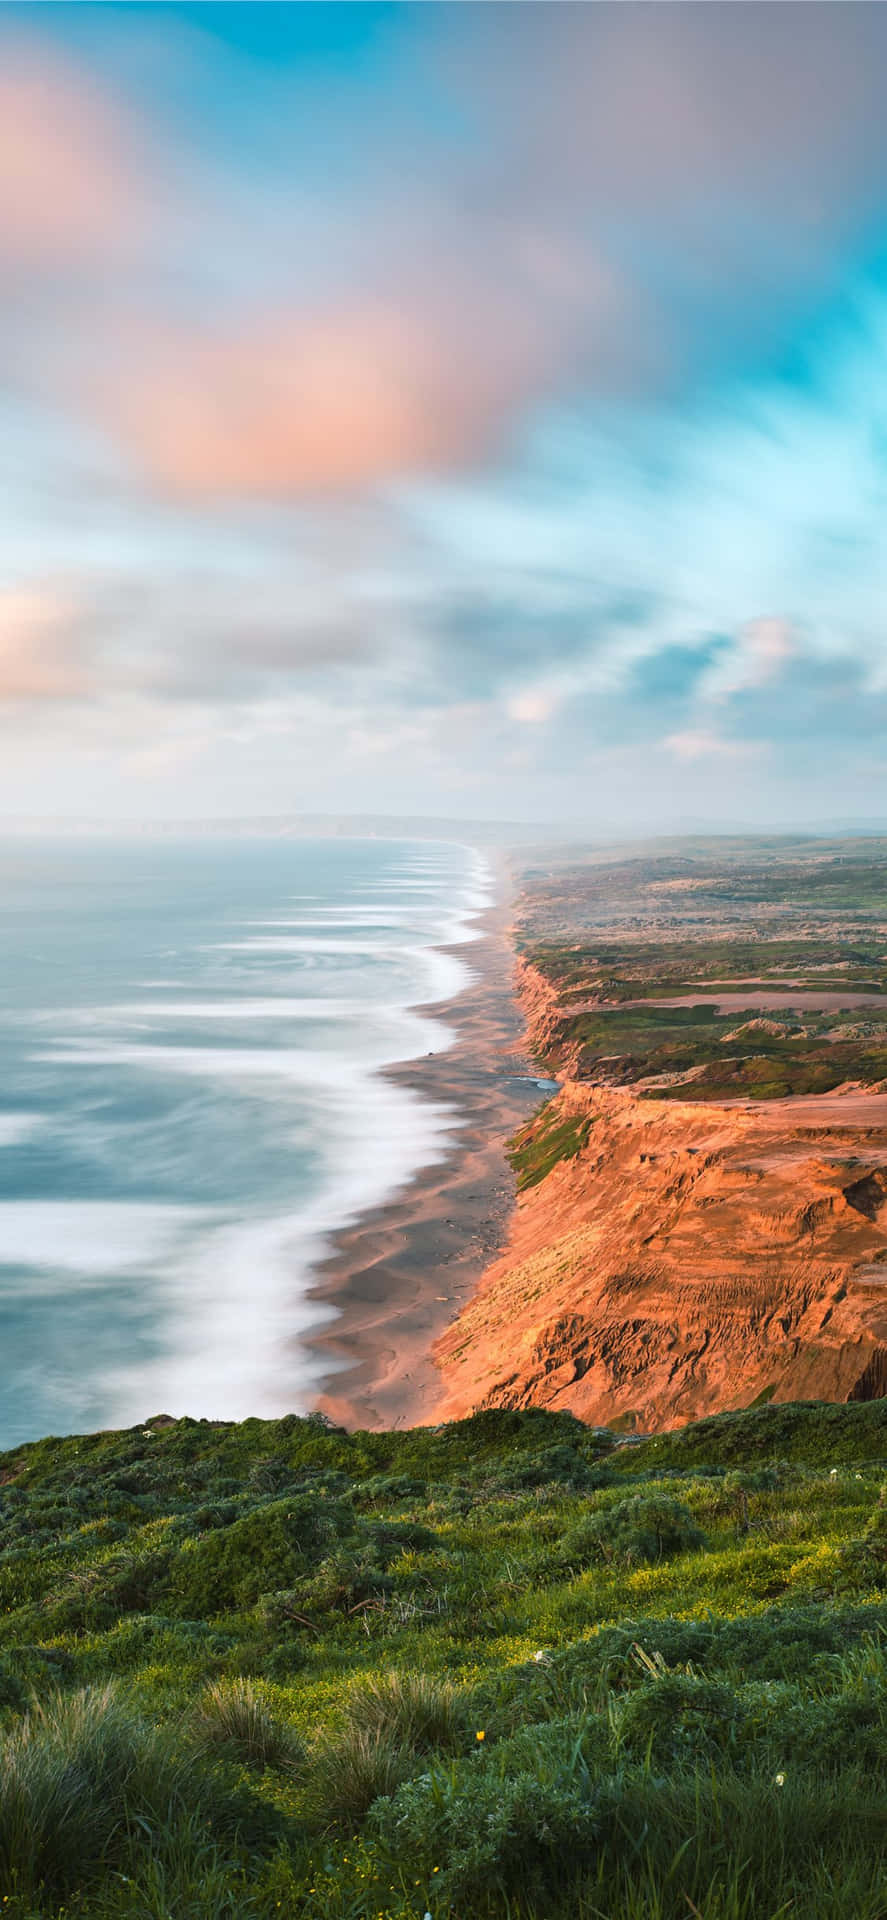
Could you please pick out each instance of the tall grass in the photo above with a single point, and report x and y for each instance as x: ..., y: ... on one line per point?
x: 80, y: 1776
x: 232, y: 1718
x: 352, y: 1767
x: 426, y: 1714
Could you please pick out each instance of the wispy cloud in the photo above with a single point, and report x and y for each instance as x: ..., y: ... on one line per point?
x: 42, y: 647
x: 700, y: 743
x: 511, y: 395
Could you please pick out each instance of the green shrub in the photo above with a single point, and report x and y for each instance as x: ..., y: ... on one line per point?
x: 676, y: 1717
x: 390, y: 1489
x: 646, y: 1528
x: 341, y: 1583
x: 862, y: 1563
x: 490, y: 1833
x: 560, y: 1465
x: 266, y: 1549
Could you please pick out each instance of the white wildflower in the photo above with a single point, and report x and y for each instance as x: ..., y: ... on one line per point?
x: 780, y: 1779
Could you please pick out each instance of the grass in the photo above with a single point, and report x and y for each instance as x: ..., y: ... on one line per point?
x: 425, y: 1714
x: 233, y: 1719
x: 579, y: 1677
x: 544, y: 1143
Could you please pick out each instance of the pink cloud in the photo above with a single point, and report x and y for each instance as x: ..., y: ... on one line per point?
x: 701, y: 743
x: 759, y: 653
x: 308, y: 401
x: 69, y: 166
x: 40, y: 650
x: 411, y: 314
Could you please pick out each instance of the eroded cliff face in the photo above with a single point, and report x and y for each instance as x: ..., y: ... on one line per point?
x: 689, y: 1258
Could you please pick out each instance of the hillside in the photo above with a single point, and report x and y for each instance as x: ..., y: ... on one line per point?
x: 503, y: 1667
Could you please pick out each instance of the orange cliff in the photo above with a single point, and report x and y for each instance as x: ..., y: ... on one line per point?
x: 690, y: 1258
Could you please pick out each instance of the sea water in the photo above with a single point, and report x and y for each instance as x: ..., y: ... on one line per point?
x: 192, y: 1102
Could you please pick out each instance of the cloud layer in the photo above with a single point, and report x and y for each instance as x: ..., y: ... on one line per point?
x: 507, y: 390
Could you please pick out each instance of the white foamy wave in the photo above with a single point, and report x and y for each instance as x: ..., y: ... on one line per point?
x: 90, y: 1237
x: 304, y: 943
x: 239, y: 1063
x: 16, y: 1127
x: 274, y: 1007
x: 238, y: 1345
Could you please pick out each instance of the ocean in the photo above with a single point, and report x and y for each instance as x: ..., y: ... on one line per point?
x: 192, y: 1102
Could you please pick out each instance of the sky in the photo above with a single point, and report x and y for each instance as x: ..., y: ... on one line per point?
x: 464, y: 410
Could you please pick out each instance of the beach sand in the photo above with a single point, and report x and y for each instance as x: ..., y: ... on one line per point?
x: 400, y: 1275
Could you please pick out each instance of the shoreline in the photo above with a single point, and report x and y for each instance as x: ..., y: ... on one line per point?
x: 401, y: 1274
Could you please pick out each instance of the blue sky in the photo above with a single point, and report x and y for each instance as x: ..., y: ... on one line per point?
x: 458, y: 409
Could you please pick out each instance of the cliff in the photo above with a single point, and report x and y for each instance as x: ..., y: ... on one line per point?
x: 687, y: 1258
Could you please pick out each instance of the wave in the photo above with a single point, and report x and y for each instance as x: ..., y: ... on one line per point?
x: 202, y: 1297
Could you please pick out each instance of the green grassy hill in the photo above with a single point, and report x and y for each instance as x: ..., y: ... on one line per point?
x: 507, y: 1667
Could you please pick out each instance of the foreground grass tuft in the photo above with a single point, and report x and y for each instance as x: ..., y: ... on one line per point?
x: 80, y: 1776
x: 233, y: 1719
x: 423, y: 1713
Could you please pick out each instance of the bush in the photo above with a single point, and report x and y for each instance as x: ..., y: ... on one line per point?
x: 339, y: 1584
x: 643, y: 1529
x: 491, y: 1834
x: 676, y: 1717
x: 233, y: 1719
x: 269, y: 1548
x: 560, y: 1465
x: 862, y: 1563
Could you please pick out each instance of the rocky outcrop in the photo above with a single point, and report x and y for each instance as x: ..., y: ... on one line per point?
x: 689, y: 1258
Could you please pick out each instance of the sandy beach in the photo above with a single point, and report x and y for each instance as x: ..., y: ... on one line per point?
x: 400, y: 1275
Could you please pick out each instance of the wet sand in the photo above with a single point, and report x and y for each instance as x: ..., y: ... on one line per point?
x: 399, y: 1276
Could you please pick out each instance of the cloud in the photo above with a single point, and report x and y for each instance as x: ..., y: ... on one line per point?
x: 293, y: 403
x: 70, y: 192
x: 573, y: 201
x: 532, y: 706
x: 757, y: 657
x: 423, y: 367
x: 474, y: 401
x: 701, y: 743
x: 41, y: 648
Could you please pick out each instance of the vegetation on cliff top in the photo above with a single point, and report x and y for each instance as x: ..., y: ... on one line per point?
x: 503, y: 1667
x: 544, y: 1142
x: 761, y: 924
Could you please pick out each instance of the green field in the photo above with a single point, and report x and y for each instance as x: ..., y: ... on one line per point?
x: 614, y: 937
x: 506, y: 1667
x: 735, y: 1052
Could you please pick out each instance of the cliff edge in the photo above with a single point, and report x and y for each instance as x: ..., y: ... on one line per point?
x: 687, y: 1259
